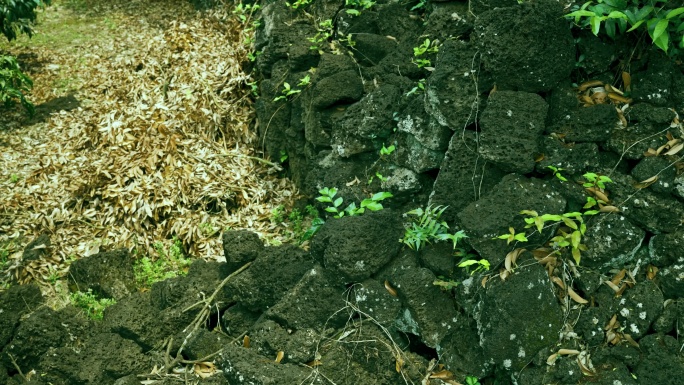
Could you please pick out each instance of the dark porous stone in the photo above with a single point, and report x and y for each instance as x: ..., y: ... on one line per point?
x: 16, y: 302
x: 528, y: 47
x: 661, y: 362
x: 269, y: 277
x: 240, y: 247
x: 299, y: 345
x: 313, y: 302
x: 42, y: 330
x: 108, y: 274
x: 357, y: 247
x: 612, y: 242
x: 428, y: 311
x: 510, y: 124
x: 463, y: 177
x: 246, y: 366
x: 509, y: 335
x: 450, y: 92
x: 660, y: 168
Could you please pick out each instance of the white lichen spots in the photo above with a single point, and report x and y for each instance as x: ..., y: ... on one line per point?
x: 617, y: 382
x: 360, y: 298
x: 634, y: 328
x: 521, y: 352
x: 622, y: 301
x: 542, y: 337
x: 539, y: 297
x: 509, y: 113
x: 642, y: 315
x: 665, y: 184
x: 530, y: 285
x: 507, y: 364
x: 640, y: 305
x: 359, y: 265
x: 512, y: 337
x: 454, y: 320
x: 624, y: 312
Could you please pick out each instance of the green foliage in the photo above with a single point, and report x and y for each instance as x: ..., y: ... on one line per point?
x: 664, y: 26
x: 286, y: 92
x: 386, y: 151
x: 298, y: 4
x: 372, y: 203
x: 596, y: 181
x: 168, y: 264
x: 18, y: 16
x: 379, y: 176
x: 358, y: 5
x: 472, y: 380
x: 568, y: 236
x: 14, y: 84
x: 420, y: 5
x: 14, y: 178
x: 420, y: 87
x: 478, y: 264
x: 426, y: 48
x: 300, y: 226
x: 324, y: 32
x: 283, y: 156
x: 92, y: 307
x: 557, y: 173
x: 426, y: 227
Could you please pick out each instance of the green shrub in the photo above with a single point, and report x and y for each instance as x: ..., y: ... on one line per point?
x: 17, y: 16
x: 168, y: 264
x: 14, y: 84
x: 427, y: 227
x: 664, y: 26
x: 92, y: 307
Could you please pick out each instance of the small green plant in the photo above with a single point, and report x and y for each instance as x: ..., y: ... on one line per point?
x: 208, y: 230
x: 379, y: 176
x: 472, y: 380
x: 91, y: 306
x: 278, y: 215
x: 14, y: 84
x: 305, y: 81
x: 420, y: 87
x: 286, y: 92
x: 324, y: 32
x: 568, y: 235
x: 420, y: 5
x: 596, y: 181
x: 427, y: 47
x: 665, y: 27
x: 298, y: 4
x: 386, y: 151
x: 372, y: 203
x: 283, y: 156
x: 358, y: 6
x: 427, y: 227
x: 244, y: 12
x: 557, y: 173
x: 479, y: 264
x: 14, y: 178
x: 168, y: 264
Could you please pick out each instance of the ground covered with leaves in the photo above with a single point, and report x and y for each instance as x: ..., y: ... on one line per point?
x: 141, y: 136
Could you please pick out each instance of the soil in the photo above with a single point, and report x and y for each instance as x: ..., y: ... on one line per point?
x: 589, y: 298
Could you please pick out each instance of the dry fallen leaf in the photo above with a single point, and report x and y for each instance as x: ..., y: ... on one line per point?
x: 279, y: 356
x: 390, y: 289
x: 576, y: 297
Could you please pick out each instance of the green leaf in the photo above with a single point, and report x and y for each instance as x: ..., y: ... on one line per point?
x: 595, y: 24
x: 331, y: 209
x: 636, y: 25
x: 575, y: 238
x: 520, y: 237
x: 610, y: 28
x: 674, y: 12
x: 372, y: 206
x: 591, y: 212
x: 576, y: 256
x: 617, y: 15
x: 570, y: 223
x: 338, y: 202
x: 324, y: 199
x: 663, y: 42
x: 382, y: 196
x: 660, y: 28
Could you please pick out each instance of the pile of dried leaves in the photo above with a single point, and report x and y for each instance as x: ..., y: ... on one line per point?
x: 160, y: 147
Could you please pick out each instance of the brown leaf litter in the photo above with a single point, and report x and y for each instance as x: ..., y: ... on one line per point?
x: 161, y: 146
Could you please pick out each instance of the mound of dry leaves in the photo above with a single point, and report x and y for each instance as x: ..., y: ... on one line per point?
x: 161, y: 146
